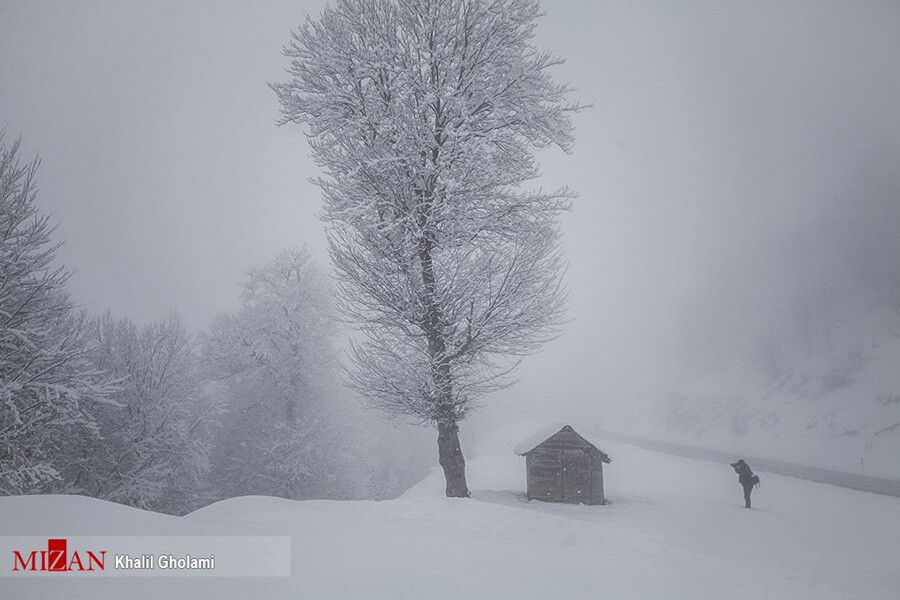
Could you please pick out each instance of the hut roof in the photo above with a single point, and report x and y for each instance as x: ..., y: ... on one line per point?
x: 545, y: 433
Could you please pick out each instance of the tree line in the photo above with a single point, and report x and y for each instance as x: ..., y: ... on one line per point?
x: 153, y: 417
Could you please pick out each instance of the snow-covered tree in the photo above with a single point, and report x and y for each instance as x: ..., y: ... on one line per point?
x: 48, y: 387
x: 424, y: 116
x: 154, y: 451
x: 284, y: 433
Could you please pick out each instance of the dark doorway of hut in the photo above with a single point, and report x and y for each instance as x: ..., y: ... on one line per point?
x: 576, y: 468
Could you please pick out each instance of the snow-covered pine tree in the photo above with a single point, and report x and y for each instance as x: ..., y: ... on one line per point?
x: 48, y: 387
x: 424, y: 116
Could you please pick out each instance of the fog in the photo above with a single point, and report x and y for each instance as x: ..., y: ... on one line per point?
x: 738, y: 175
x: 739, y: 170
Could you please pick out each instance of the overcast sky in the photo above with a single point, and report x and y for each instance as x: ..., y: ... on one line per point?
x: 717, y: 128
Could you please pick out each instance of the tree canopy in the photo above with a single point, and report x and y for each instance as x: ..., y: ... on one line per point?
x: 424, y: 117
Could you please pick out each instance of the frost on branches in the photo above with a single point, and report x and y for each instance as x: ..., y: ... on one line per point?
x: 425, y: 116
x: 155, y: 449
x: 47, y: 385
x: 273, y: 361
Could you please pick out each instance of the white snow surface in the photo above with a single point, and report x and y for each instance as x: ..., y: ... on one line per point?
x: 805, y: 417
x: 674, y: 528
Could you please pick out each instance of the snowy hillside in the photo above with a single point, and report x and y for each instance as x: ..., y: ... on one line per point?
x: 674, y: 528
x: 840, y: 411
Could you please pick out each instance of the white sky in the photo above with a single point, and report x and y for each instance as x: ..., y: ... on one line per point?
x: 716, y: 126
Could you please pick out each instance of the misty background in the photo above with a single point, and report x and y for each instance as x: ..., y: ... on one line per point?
x: 735, y: 247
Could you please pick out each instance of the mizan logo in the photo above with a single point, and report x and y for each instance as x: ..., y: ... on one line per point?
x: 57, y: 558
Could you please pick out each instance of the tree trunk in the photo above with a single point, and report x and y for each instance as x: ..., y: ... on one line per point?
x: 450, y: 454
x: 451, y: 459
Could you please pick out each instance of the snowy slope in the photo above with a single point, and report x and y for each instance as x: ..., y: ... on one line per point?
x: 675, y: 528
x: 838, y: 412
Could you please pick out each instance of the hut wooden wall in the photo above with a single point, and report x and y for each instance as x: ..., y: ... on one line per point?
x: 561, y: 466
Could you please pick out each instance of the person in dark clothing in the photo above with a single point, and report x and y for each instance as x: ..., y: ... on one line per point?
x: 746, y: 478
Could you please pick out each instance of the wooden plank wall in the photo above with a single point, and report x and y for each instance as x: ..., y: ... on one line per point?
x: 544, y: 465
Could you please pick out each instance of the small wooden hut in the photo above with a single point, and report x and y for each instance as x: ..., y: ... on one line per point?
x: 562, y: 466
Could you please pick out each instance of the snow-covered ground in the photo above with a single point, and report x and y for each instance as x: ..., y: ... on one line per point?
x: 674, y: 528
x: 839, y: 412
